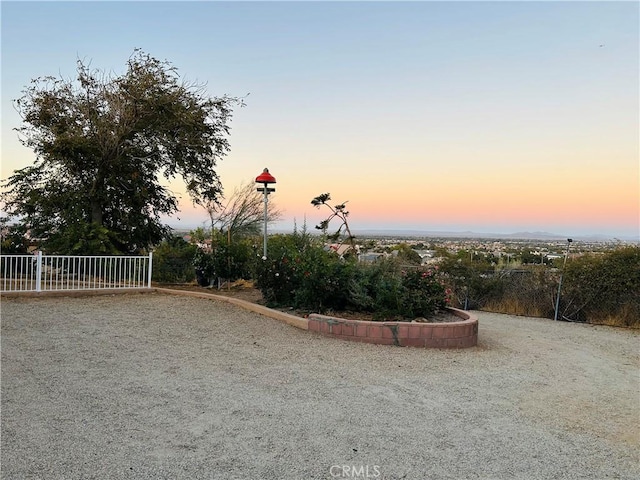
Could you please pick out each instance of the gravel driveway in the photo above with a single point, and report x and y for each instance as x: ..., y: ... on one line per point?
x: 171, y: 387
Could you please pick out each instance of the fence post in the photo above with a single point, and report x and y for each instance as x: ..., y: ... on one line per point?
x: 150, y: 268
x: 39, y: 272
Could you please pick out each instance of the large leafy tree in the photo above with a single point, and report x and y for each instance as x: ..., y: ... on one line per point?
x: 103, y: 143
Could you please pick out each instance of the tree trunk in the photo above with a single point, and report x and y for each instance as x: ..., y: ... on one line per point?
x: 96, y: 212
x: 94, y: 197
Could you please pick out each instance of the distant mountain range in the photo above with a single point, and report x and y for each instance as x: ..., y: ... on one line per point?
x: 505, y: 236
x: 467, y: 234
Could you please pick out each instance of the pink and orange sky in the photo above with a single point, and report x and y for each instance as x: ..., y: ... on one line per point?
x: 485, y: 116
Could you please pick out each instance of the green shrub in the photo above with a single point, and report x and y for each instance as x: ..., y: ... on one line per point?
x: 422, y: 294
x: 229, y: 261
x: 301, y: 273
x: 284, y: 275
x: 391, y: 290
x: 473, y: 284
x: 598, y: 288
x: 13, y: 238
x: 204, y: 267
x: 603, y: 288
x: 173, y: 261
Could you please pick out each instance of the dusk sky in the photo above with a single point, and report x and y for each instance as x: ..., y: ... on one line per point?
x: 485, y: 116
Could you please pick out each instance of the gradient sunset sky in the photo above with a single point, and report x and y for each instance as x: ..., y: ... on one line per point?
x: 484, y: 116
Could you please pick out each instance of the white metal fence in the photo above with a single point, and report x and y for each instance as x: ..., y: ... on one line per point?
x: 40, y: 273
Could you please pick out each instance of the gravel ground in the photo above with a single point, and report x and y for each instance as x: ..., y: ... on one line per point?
x: 169, y: 387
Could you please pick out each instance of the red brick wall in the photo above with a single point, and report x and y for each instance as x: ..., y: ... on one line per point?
x: 460, y: 334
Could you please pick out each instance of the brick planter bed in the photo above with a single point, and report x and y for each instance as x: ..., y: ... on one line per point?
x: 460, y: 334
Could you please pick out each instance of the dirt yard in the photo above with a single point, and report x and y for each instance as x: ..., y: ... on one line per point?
x: 144, y: 386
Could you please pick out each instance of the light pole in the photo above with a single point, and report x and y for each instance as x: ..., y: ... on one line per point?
x: 265, y: 178
x: 564, y: 264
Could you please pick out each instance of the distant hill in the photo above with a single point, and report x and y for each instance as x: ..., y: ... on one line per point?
x: 470, y: 234
x: 466, y: 234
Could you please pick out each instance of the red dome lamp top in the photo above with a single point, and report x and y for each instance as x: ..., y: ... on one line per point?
x: 265, y: 177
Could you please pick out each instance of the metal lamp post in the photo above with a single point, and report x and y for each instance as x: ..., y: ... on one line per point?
x: 564, y: 264
x: 265, y: 178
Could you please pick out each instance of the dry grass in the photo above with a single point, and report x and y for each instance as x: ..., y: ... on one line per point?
x: 514, y: 306
x: 626, y: 316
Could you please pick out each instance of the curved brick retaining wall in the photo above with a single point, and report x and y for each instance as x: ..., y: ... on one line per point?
x: 460, y: 334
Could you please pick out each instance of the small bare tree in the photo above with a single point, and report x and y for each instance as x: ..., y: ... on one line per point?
x: 341, y: 213
x: 243, y: 213
x: 240, y: 217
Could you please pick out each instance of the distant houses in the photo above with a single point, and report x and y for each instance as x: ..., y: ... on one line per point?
x: 371, y: 257
x: 426, y: 256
